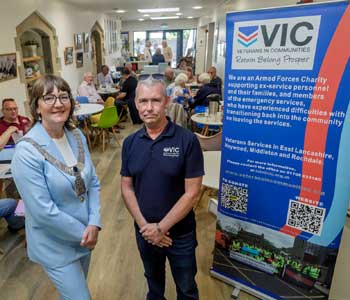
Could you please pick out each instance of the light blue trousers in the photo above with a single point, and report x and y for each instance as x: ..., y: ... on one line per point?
x: 70, y: 280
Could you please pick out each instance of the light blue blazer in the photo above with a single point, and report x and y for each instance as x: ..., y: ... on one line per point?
x: 55, y: 218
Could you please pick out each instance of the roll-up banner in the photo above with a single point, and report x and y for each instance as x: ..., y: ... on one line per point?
x: 285, y: 168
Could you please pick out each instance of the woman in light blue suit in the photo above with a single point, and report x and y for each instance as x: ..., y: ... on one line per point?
x: 56, y: 179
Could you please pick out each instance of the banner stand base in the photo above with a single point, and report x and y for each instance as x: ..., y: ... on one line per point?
x: 239, y: 286
x: 235, y: 293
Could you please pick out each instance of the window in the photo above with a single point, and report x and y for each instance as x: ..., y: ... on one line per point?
x: 139, y: 42
x: 181, y: 42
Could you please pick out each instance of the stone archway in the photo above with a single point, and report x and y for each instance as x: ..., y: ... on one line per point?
x: 97, y: 38
x: 35, y: 30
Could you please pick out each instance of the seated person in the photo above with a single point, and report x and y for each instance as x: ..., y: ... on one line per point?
x: 216, y: 81
x: 191, y: 77
x: 182, y: 64
x: 7, y: 209
x: 206, y: 89
x: 168, y: 76
x: 133, y: 74
x: 12, y: 122
x: 158, y: 57
x: 127, y: 96
x: 87, y: 88
x: 104, y: 78
x: 180, y: 94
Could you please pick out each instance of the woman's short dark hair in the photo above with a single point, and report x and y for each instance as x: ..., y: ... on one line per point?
x: 46, y: 84
x: 125, y: 71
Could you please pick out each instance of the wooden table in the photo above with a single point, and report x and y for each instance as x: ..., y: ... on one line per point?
x: 213, y: 120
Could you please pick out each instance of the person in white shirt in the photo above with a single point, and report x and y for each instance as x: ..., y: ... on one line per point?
x: 147, y: 52
x: 167, y: 52
x: 87, y: 88
x: 104, y: 78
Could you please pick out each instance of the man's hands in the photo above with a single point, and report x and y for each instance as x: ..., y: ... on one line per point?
x: 90, y: 236
x: 153, y: 234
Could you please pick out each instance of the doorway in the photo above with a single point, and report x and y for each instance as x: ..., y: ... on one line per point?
x: 37, y: 45
x: 97, y: 46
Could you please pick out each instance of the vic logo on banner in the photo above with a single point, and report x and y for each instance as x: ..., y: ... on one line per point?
x: 247, y: 36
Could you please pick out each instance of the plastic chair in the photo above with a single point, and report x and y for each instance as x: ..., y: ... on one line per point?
x: 109, y: 118
x: 82, y: 99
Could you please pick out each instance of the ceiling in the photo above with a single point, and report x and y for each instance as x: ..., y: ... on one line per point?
x: 131, y: 6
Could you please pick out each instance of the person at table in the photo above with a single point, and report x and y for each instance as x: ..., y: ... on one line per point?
x: 180, y: 94
x: 159, y: 191
x: 157, y: 57
x: 87, y: 88
x: 215, y: 80
x: 104, y: 78
x: 147, y: 53
x: 191, y: 77
x: 11, y: 122
x: 167, y: 52
x: 60, y: 189
x: 132, y: 73
x: 168, y: 76
x: 7, y: 211
x: 205, y: 90
x: 127, y: 96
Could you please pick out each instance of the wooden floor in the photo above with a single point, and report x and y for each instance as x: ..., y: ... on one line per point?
x: 116, y: 270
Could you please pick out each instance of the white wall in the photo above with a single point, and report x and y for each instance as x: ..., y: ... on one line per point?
x: 66, y: 19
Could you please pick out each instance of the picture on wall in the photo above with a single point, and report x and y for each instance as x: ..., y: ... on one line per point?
x: 79, y: 59
x: 8, y: 66
x: 68, y: 55
x: 86, y: 42
x: 78, y: 41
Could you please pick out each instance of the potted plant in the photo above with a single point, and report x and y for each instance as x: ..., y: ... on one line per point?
x: 30, y: 48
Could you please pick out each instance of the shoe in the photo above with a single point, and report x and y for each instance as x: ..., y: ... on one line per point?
x: 14, y: 229
x: 119, y: 126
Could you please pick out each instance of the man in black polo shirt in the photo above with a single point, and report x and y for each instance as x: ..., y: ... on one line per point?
x: 162, y: 169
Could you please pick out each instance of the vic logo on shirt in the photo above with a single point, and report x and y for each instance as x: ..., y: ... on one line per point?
x: 171, y: 151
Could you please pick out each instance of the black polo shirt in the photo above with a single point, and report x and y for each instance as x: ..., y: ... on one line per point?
x: 159, y: 168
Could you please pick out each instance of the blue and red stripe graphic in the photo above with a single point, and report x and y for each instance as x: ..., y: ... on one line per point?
x: 248, y: 35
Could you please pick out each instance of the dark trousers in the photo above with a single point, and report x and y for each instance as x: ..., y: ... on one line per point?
x: 182, y: 260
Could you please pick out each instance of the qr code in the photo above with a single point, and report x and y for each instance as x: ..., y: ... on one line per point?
x: 234, y: 197
x: 305, y: 217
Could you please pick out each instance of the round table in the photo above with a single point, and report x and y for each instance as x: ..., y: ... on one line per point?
x: 87, y: 109
x: 105, y: 93
x: 213, y: 120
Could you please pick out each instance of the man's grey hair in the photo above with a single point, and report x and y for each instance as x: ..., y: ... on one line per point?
x: 86, y: 74
x: 149, y: 83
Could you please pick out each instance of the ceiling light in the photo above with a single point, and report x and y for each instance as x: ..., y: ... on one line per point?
x: 165, y: 18
x: 178, y: 14
x: 190, y: 17
x: 146, y: 15
x: 141, y: 19
x: 120, y: 11
x: 158, y: 10
x: 197, y: 7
